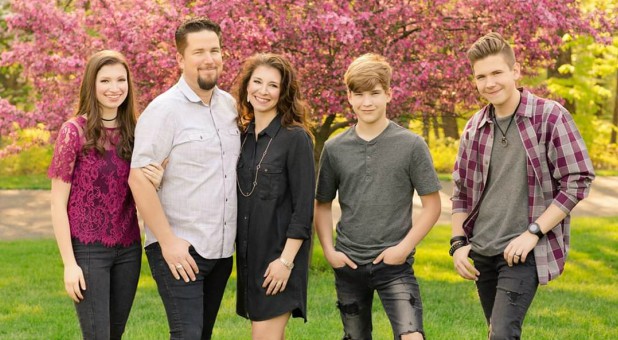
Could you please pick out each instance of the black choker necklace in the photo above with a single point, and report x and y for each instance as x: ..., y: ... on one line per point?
x: 109, y: 120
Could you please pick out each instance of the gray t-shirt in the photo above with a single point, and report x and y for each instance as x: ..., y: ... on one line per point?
x: 375, y: 180
x: 503, y: 213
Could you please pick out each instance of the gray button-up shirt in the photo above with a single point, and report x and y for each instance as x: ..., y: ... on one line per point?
x: 202, y: 142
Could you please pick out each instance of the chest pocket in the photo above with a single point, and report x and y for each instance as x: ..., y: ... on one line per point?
x: 196, y: 146
x: 271, y: 182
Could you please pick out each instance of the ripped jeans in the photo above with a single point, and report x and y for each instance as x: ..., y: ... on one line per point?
x: 398, y: 291
x: 505, y: 293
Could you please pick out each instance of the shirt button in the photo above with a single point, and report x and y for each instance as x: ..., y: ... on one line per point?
x: 246, y: 217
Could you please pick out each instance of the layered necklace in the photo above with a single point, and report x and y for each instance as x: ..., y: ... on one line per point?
x: 503, y: 140
x: 257, y: 168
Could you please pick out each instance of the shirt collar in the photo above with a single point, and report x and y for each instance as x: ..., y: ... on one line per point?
x: 271, y: 130
x: 190, y: 94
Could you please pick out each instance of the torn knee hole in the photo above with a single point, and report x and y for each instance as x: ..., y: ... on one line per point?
x: 351, y: 309
x: 513, y: 296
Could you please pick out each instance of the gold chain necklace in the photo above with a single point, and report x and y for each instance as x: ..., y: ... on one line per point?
x: 257, y: 168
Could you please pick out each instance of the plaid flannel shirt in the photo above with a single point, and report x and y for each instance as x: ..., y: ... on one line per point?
x: 559, y: 172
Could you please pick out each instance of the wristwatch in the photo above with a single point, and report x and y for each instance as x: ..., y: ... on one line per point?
x: 535, y: 229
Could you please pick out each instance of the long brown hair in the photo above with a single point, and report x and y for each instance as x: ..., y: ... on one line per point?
x: 90, y: 108
x: 293, y: 109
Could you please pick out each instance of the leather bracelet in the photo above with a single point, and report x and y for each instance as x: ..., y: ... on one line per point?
x: 459, y: 238
x: 457, y: 245
x: 289, y: 265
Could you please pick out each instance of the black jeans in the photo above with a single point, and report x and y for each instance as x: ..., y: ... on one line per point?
x: 398, y: 291
x: 192, y: 306
x: 111, y: 275
x: 505, y: 293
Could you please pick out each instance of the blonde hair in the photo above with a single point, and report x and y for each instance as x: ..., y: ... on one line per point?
x: 491, y: 44
x: 367, y: 71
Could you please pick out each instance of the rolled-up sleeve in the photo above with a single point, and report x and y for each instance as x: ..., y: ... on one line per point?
x: 301, y: 179
x: 572, y: 167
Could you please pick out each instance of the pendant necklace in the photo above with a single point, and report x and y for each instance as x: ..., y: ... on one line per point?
x: 503, y: 140
x: 257, y: 168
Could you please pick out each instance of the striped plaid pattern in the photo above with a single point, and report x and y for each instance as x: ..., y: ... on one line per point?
x: 559, y: 171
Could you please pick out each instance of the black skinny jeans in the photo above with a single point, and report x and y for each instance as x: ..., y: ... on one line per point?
x: 505, y: 293
x: 111, y: 275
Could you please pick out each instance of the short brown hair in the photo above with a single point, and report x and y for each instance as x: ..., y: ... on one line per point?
x: 367, y: 71
x: 191, y: 26
x: 491, y: 44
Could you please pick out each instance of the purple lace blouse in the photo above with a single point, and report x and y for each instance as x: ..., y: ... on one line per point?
x: 100, y: 207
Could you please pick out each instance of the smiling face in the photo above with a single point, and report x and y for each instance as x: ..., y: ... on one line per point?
x: 112, y: 87
x: 263, y: 90
x: 496, y: 82
x: 201, y: 61
x: 370, y: 106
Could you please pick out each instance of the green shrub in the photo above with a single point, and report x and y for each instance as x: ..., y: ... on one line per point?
x: 34, y: 157
x: 444, y: 152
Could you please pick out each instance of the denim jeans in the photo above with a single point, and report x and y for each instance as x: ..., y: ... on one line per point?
x: 192, y: 306
x: 505, y: 293
x: 398, y: 291
x: 111, y: 275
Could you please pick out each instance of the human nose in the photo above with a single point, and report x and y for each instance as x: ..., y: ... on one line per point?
x: 490, y: 81
x: 208, y: 58
x: 114, y: 86
x: 366, y: 100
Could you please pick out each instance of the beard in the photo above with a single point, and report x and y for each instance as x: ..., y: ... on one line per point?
x: 207, y: 84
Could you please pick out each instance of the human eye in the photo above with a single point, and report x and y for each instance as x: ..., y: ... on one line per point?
x: 104, y: 81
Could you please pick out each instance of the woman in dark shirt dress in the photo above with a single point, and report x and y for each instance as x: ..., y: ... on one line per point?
x: 276, y: 182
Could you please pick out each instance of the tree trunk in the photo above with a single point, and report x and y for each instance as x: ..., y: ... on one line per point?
x: 563, y: 58
x: 426, y: 124
x: 449, y: 123
x: 436, y: 126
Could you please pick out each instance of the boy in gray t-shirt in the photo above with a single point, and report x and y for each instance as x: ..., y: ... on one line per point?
x: 375, y: 166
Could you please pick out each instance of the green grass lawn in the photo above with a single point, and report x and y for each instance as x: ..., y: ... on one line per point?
x: 25, y: 182
x: 582, y: 304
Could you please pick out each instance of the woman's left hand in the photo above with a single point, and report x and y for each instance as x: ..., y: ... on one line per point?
x: 277, y: 275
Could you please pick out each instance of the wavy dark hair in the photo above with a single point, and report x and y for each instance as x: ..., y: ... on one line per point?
x: 291, y: 105
x: 90, y: 108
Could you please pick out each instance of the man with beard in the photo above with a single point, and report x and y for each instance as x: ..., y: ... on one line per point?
x: 191, y: 222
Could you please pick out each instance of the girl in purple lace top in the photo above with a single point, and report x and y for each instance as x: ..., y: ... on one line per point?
x: 93, y: 212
